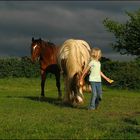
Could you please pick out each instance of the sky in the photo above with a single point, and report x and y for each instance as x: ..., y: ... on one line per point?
x: 58, y: 21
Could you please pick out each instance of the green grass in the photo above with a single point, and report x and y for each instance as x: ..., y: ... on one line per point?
x: 23, y: 115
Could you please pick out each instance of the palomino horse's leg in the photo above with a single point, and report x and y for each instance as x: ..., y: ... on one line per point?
x: 67, y: 98
x: 57, y: 77
x: 43, y: 78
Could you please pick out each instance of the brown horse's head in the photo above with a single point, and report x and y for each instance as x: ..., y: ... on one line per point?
x: 35, y: 49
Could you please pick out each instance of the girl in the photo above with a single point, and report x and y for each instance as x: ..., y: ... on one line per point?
x: 95, y: 78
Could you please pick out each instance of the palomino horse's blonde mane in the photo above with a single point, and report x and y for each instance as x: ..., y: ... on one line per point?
x: 76, y: 52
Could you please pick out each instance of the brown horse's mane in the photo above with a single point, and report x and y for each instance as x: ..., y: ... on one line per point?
x: 48, y: 44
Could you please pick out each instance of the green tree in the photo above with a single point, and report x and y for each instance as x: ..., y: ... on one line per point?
x: 127, y: 34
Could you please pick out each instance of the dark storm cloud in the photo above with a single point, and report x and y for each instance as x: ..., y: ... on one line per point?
x: 58, y: 21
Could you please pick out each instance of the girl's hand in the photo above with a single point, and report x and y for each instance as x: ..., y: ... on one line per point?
x: 81, y: 82
x: 110, y: 81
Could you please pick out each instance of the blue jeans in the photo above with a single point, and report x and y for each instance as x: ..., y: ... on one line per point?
x: 96, y: 94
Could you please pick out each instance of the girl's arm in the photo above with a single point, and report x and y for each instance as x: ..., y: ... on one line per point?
x: 106, y: 78
x: 84, y: 74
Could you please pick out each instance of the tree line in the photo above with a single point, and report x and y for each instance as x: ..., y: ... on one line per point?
x: 18, y: 67
x: 125, y: 74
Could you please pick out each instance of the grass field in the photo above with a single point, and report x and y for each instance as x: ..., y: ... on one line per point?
x: 23, y: 115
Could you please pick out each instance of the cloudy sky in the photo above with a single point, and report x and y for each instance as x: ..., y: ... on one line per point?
x: 58, y: 21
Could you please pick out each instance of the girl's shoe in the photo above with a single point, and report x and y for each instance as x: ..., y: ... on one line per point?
x: 91, y: 109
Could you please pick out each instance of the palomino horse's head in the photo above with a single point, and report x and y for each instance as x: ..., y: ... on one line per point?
x: 77, y: 94
x: 35, y: 49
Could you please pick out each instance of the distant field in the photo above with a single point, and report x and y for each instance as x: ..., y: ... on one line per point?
x: 23, y: 115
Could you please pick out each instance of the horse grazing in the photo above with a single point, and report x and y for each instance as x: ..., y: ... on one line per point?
x: 73, y: 57
x: 47, y: 54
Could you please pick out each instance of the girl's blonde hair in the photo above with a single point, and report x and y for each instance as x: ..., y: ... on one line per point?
x: 96, y: 53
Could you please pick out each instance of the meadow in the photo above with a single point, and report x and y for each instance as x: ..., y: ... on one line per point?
x: 24, y: 115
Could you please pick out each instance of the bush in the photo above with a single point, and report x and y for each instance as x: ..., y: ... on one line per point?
x: 126, y: 75
x: 29, y: 69
x: 18, y: 67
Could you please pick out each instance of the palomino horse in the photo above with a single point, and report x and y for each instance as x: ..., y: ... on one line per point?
x: 47, y: 54
x: 73, y: 57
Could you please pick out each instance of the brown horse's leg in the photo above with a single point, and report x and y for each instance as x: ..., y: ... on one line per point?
x: 57, y: 77
x: 43, y: 78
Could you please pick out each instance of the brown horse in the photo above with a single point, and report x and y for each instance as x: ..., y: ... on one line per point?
x: 47, y: 54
